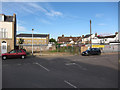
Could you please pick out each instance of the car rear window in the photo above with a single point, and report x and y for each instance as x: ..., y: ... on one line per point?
x: 19, y: 51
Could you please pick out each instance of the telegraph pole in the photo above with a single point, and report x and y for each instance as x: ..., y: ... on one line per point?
x: 90, y: 36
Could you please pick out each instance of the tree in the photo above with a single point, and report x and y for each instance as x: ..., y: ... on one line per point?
x: 52, y: 40
x: 21, y: 41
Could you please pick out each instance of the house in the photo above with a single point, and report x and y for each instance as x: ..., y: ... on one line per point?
x: 7, y: 33
x: 99, y: 39
x: 40, y: 41
x: 68, y: 40
x: 86, y: 38
x: 109, y: 38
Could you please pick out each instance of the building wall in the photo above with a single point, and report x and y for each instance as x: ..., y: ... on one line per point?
x: 8, y: 27
x: 36, y: 41
x: 10, y: 44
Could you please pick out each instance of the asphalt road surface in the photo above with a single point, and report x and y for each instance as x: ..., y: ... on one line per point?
x: 61, y: 72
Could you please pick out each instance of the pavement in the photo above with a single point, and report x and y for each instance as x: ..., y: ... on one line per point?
x: 98, y: 71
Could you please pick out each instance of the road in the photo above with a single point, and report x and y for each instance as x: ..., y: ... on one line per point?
x: 61, y: 72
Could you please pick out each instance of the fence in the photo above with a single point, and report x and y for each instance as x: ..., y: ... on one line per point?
x: 77, y: 49
x: 69, y: 49
x: 111, y: 48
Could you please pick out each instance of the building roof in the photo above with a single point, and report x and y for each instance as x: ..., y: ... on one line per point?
x: 30, y: 35
x: 7, y: 18
x: 86, y: 36
x: 111, y: 36
x: 68, y: 39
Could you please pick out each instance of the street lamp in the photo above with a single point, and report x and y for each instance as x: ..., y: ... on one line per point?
x: 90, y: 36
x: 32, y: 41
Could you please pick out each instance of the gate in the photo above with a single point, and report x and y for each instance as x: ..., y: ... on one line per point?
x: 3, y: 47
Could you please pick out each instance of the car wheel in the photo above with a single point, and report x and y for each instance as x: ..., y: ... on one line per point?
x: 4, y: 57
x: 23, y: 57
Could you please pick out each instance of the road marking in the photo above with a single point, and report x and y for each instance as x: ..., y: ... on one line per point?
x: 76, y: 65
x: 42, y: 67
x: 70, y: 64
x: 70, y: 84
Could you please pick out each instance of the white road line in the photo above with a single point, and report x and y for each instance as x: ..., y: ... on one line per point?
x: 42, y: 67
x: 70, y: 84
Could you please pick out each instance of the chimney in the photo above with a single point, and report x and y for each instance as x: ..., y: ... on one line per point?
x: 82, y: 36
x: 95, y: 34
x: 116, y: 33
x: 14, y: 17
x: 63, y: 35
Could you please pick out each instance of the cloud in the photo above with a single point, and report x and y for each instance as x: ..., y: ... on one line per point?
x: 99, y: 15
x: 27, y: 10
x: 45, y: 21
x: 49, y: 12
x: 38, y: 7
x: 101, y: 24
x: 21, y: 29
x: 54, y: 13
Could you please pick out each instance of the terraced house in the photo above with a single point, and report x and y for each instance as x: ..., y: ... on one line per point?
x: 7, y: 33
x: 38, y: 40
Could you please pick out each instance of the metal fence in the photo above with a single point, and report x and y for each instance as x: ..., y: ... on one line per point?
x: 111, y: 48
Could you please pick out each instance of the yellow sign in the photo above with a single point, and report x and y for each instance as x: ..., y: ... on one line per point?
x: 69, y: 44
x: 98, y: 46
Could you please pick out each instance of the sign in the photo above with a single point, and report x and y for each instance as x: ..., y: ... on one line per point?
x: 98, y: 46
x: 69, y: 44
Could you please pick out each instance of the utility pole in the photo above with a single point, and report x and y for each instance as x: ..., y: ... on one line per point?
x: 90, y: 36
x: 32, y: 41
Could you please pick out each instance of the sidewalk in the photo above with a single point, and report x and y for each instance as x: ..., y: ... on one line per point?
x: 56, y: 54
x: 61, y: 54
x: 109, y: 53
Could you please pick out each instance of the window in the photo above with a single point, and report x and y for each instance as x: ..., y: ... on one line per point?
x: 4, y: 47
x: 70, y: 39
x: 3, y: 33
x: 19, y: 51
x: 28, y: 40
x: 13, y: 51
x: 1, y: 18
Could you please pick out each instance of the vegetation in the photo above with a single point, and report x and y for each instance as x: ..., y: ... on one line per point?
x: 21, y: 41
x: 53, y: 40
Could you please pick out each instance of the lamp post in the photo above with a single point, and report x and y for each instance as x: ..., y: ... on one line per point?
x: 32, y: 41
x: 90, y: 36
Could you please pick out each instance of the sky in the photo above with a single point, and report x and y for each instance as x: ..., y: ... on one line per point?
x: 68, y: 18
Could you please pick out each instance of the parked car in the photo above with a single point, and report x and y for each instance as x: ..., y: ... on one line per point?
x: 92, y: 51
x: 17, y: 53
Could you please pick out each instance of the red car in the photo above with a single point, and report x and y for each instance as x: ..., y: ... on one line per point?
x: 14, y: 54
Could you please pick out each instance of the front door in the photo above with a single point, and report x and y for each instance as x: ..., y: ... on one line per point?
x: 3, y: 47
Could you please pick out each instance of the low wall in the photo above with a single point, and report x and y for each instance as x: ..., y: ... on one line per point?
x: 38, y: 48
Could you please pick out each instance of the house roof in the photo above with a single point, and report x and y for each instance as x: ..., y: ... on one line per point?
x: 7, y: 18
x: 86, y: 36
x: 30, y: 35
x: 111, y: 36
x: 67, y: 39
